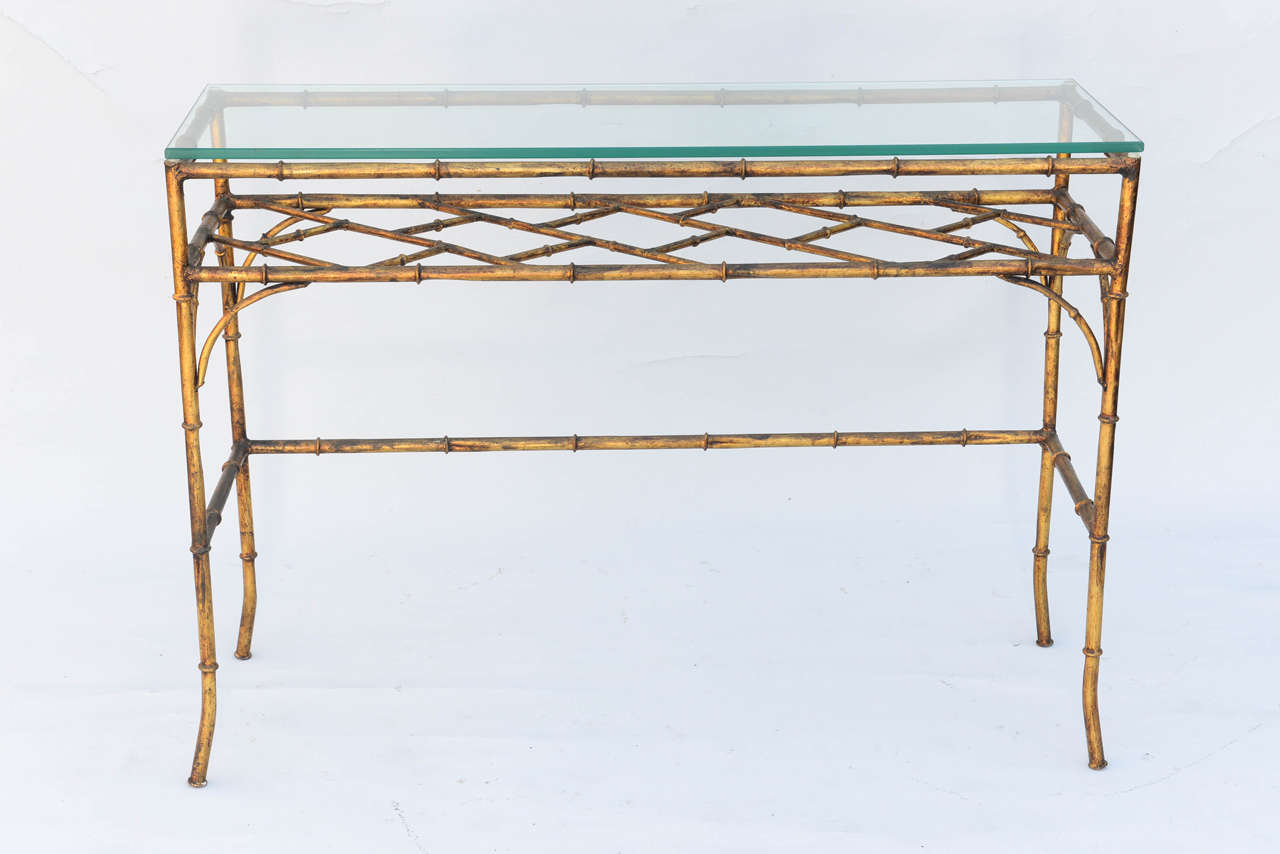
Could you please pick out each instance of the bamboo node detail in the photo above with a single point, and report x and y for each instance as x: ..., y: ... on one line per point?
x: 1040, y: 552
x: 1092, y: 653
x: 207, y: 668
x: 189, y: 427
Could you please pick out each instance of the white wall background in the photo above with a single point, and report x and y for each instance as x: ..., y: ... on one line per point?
x: 782, y: 650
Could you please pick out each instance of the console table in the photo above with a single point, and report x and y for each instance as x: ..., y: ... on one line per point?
x: 424, y: 137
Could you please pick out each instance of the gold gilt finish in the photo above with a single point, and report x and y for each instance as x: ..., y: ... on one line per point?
x: 1018, y: 261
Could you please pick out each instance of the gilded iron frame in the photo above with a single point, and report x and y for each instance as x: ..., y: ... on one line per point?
x: 1021, y: 263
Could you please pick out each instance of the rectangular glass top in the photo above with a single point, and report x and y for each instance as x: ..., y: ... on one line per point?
x: 670, y: 121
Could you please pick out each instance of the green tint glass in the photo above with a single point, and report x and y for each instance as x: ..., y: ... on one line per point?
x: 677, y: 121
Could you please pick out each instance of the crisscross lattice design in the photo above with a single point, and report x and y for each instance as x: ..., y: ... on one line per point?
x: 314, y: 215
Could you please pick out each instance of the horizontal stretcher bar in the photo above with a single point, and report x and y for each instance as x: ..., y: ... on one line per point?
x: 582, y: 201
x: 1029, y: 267
x: 741, y: 168
x: 693, y: 441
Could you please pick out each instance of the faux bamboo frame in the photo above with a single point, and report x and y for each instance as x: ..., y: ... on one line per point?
x: 309, y: 214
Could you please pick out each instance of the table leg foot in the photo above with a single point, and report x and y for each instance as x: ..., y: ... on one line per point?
x: 249, y: 605
x: 204, y: 732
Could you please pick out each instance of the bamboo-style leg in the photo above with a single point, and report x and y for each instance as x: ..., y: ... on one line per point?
x: 235, y: 393
x: 1114, y: 301
x: 1044, y: 506
x: 1060, y: 242
x: 244, y: 499
x: 185, y: 297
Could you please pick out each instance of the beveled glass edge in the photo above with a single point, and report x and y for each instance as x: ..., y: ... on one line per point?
x: 652, y: 152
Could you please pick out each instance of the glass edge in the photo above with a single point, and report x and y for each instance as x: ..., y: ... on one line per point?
x: 1106, y: 111
x: 187, y: 126
x: 649, y: 152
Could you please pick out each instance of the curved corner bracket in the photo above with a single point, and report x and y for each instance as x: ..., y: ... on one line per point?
x: 1071, y: 311
x: 1022, y: 235
x: 274, y: 231
x: 230, y: 314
